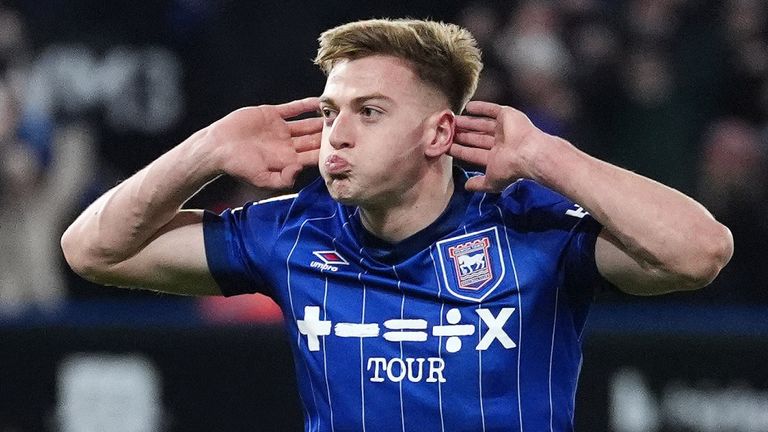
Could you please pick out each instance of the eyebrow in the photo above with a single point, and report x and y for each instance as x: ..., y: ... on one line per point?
x: 360, y: 100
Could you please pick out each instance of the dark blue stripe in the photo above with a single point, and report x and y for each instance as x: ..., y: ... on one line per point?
x: 162, y: 312
x: 655, y: 317
x: 604, y: 318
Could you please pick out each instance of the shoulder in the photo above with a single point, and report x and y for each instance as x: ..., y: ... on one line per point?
x: 523, y: 194
x: 531, y: 195
x: 313, y: 198
x: 521, y: 197
x: 539, y: 205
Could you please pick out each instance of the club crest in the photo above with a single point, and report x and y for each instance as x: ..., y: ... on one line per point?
x: 472, y: 264
x: 471, y: 258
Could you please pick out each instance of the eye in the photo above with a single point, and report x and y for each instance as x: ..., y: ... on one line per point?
x: 369, y: 112
x: 327, y: 113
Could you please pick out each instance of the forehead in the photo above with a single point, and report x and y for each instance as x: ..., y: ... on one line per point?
x: 386, y: 75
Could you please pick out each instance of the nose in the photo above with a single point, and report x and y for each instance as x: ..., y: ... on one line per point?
x: 341, y: 133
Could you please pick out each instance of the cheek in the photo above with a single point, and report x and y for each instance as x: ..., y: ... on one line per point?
x: 325, y: 148
x: 407, y: 147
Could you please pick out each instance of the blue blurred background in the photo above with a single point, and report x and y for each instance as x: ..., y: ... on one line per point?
x: 91, y: 91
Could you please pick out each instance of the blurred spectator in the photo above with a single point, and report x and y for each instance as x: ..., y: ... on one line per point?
x: 485, y: 23
x: 652, y: 131
x: 745, y: 29
x: 40, y: 181
x: 651, y: 21
x: 733, y: 185
x: 596, y: 78
x: 481, y: 20
x: 35, y: 199
x: 539, y: 64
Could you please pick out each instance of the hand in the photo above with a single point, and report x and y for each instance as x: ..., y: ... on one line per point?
x: 500, y: 139
x: 258, y: 145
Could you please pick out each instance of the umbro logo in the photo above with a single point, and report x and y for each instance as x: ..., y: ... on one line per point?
x: 330, y: 260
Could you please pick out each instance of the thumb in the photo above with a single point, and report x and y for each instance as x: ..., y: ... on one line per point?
x: 289, y: 173
x: 477, y: 184
x: 482, y: 184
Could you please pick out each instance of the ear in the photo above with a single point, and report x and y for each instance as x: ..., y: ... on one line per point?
x: 443, y: 127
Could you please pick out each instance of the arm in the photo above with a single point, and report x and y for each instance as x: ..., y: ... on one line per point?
x: 655, y: 239
x: 136, y: 235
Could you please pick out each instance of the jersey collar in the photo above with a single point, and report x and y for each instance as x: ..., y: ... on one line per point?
x: 394, y: 253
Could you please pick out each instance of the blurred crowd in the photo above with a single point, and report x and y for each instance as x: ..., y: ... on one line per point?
x: 676, y: 90
x: 42, y: 177
x: 673, y: 89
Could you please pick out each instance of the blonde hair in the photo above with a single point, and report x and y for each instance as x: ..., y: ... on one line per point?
x: 443, y: 55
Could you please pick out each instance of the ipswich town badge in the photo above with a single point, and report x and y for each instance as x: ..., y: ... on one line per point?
x: 472, y: 264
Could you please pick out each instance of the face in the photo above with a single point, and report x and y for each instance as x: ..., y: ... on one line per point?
x: 379, y: 119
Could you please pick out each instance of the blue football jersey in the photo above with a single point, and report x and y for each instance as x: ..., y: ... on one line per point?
x: 472, y: 324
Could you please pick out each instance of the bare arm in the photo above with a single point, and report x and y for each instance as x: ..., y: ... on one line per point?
x: 655, y: 239
x: 136, y: 235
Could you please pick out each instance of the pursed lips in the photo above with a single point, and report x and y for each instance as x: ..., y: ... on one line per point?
x: 336, y: 165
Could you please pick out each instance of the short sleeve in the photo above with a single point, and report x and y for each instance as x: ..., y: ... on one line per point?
x: 239, y: 245
x: 551, y: 215
x: 579, y: 262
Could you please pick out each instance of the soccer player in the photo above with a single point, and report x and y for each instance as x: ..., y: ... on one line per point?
x: 417, y: 296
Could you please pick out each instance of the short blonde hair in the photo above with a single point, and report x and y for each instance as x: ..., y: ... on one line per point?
x: 443, y: 55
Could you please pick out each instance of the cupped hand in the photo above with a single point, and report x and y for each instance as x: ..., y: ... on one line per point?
x: 498, y: 138
x: 261, y: 146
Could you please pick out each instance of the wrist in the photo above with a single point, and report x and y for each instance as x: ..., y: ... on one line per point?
x: 204, y: 156
x: 550, y: 159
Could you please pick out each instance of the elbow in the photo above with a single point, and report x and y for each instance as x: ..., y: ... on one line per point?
x: 712, y: 254
x: 80, y: 258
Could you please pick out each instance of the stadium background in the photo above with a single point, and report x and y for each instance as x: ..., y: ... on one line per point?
x: 91, y: 91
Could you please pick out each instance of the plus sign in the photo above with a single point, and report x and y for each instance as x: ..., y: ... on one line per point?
x: 312, y: 327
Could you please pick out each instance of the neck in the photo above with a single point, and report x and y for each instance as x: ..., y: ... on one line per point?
x: 416, y: 208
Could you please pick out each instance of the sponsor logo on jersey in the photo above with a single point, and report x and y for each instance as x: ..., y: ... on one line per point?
x: 472, y: 264
x: 453, y: 334
x: 330, y: 260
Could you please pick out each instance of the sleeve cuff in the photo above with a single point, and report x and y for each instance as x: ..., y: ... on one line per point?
x: 220, y: 252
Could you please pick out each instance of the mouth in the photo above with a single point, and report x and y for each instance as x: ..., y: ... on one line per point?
x: 337, y: 167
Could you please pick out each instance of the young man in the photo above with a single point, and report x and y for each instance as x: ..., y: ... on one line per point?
x: 416, y: 296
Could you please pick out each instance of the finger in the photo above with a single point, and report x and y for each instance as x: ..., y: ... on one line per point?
x: 309, y: 158
x: 475, y: 156
x: 478, y: 184
x: 269, y: 180
x: 478, y: 124
x: 306, y: 142
x: 482, y: 108
x: 297, y: 107
x: 473, y: 139
x: 278, y: 179
x: 278, y: 157
x: 305, y: 126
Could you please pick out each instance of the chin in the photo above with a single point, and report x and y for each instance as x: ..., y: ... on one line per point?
x: 341, y: 191
x: 345, y: 199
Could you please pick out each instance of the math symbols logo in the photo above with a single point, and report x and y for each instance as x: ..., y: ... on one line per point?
x: 472, y: 264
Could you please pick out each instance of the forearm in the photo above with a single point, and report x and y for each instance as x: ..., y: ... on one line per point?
x: 119, y: 223
x: 662, y: 229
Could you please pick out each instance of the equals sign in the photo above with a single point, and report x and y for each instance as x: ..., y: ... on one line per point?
x: 406, y: 336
